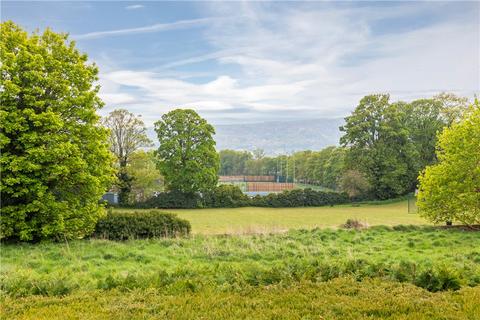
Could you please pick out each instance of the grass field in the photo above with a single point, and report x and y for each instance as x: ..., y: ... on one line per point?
x: 263, y: 220
x: 222, y: 271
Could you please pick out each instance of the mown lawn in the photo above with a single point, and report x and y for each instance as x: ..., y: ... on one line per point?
x: 263, y: 220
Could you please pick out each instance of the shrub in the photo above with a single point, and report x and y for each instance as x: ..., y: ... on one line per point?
x: 353, y: 224
x: 439, y: 279
x: 229, y: 196
x: 133, y: 225
x: 225, y: 196
x: 300, y: 198
x: 172, y: 200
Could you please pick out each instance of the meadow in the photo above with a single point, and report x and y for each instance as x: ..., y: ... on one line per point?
x: 259, y: 263
x: 339, y: 274
x: 264, y: 220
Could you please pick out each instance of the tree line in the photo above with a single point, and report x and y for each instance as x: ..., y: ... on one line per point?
x: 384, y: 147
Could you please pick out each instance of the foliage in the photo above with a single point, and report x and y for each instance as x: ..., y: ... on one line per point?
x: 187, y: 157
x: 171, y: 200
x: 354, y: 183
x: 450, y: 190
x: 147, y: 179
x: 391, y: 142
x: 299, y: 198
x: 137, y: 225
x: 230, y: 196
x: 233, y: 162
x: 353, y: 224
x: 55, y: 159
x: 379, y: 146
x: 225, y: 196
x: 322, y: 168
x: 127, y: 135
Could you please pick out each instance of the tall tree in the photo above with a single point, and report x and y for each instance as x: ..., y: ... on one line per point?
x: 55, y: 159
x: 187, y: 157
x: 450, y: 190
x: 127, y: 135
x: 379, y: 145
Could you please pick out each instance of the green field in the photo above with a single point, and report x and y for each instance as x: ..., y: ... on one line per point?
x: 239, y: 274
x: 238, y: 265
x: 263, y: 220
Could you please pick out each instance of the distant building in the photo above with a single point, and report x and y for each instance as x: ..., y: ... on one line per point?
x: 110, y: 197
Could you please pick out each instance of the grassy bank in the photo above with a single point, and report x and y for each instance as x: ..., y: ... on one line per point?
x: 264, y: 220
x: 343, y: 298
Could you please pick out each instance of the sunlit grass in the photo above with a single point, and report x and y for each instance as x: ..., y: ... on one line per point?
x: 264, y: 220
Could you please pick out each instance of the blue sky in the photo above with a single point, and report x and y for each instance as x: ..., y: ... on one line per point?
x: 241, y: 62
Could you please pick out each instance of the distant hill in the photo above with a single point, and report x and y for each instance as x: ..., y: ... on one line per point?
x: 276, y: 137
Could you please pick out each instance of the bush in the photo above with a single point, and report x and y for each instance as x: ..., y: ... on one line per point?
x: 354, y: 224
x: 229, y: 196
x: 134, y: 225
x: 225, y: 196
x: 299, y: 198
x: 439, y: 279
x: 172, y: 200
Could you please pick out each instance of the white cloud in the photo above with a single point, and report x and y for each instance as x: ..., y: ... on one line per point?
x: 307, y: 62
x: 181, y: 24
x: 134, y: 7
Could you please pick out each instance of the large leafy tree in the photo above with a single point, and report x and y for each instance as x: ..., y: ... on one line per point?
x: 426, y: 118
x: 450, y: 189
x: 379, y: 146
x: 55, y: 159
x: 127, y: 135
x: 187, y: 157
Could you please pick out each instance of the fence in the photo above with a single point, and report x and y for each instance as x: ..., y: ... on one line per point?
x: 269, y: 186
x: 246, y: 178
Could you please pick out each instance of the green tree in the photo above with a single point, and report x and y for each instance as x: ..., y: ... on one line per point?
x: 187, y: 157
x: 379, y: 146
x: 127, y: 135
x: 353, y: 183
x: 233, y: 162
x: 450, y: 189
x: 147, y: 179
x: 452, y: 107
x: 55, y: 159
x: 426, y: 118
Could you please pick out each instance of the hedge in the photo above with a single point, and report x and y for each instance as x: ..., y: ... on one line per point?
x: 229, y: 196
x: 136, y: 225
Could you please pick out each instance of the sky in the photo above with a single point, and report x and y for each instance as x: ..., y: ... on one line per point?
x: 244, y: 62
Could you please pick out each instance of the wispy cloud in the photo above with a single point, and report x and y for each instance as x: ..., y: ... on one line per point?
x: 159, y: 27
x: 134, y: 7
x: 307, y: 61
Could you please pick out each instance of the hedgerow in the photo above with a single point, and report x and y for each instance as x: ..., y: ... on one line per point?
x: 138, y: 225
x: 229, y: 196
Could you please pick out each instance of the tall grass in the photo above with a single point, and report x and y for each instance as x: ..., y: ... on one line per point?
x: 430, y: 258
